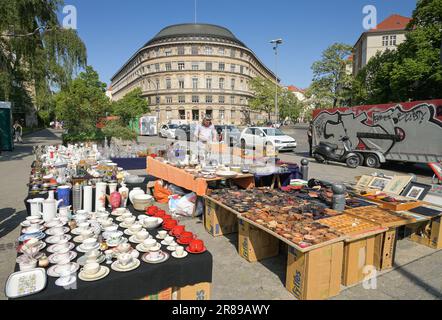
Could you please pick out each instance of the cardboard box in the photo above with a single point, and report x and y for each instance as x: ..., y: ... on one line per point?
x: 385, y: 249
x: 166, y: 294
x: 316, y: 274
x: 427, y: 233
x: 219, y: 221
x: 200, y: 291
x: 357, y: 255
x: 255, y: 244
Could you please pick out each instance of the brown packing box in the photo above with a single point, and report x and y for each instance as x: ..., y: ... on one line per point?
x: 200, y: 291
x: 428, y: 233
x: 384, y: 249
x: 316, y: 274
x: 166, y: 294
x: 357, y: 255
x: 255, y: 244
x: 218, y: 220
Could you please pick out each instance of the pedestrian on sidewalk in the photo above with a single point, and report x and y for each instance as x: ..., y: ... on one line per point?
x: 18, y: 132
x: 310, y: 138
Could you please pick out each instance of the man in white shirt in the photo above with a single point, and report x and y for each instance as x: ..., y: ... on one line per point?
x: 205, y: 134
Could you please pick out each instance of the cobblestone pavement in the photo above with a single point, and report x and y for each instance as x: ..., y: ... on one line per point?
x: 417, y: 273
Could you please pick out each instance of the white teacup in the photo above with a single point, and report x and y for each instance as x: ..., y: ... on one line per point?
x: 129, y: 221
x: 149, y: 243
x: 136, y: 227
x: 120, y: 211
x: 64, y: 255
x: 59, y: 239
x: 179, y: 251
x: 124, y: 247
x: 89, y: 243
x: 142, y: 235
x: 86, y: 234
x: 168, y: 240
x: 64, y: 266
x: 125, y: 259
x: 57, y: 231
x: 91, y: 269
x: 107, y: 223
x: 111, y: 228
x: 162, y: 234
x: 33, y: 242
x: 83, y: 226
x: 126, y: 215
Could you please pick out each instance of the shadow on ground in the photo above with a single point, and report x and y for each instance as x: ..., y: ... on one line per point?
x: 10, y: 219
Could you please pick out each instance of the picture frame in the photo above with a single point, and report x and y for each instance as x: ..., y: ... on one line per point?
x: 437, y: 168
x: 397, y: 184
x: 364, y: 181
x: 416, y: 190
x: 378, y: 183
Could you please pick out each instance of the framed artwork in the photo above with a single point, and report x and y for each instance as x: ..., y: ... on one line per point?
x: 416, y: 190
x: 397, y: 184
x: 378, y: 183
x: 364, y: 181
x: 437, y: 168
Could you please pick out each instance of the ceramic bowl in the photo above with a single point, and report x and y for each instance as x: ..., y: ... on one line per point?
x: 152, y: 223
x: 28, y: 264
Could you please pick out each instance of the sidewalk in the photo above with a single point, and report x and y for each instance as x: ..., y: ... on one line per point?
x: 14, y: 173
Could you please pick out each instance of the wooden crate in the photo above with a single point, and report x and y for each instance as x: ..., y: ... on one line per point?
x: 385, y: 249
x: 218, y: 220
x: 316, y: 274
x: 427, y: 233
x: 254, y: 244
x: 165, y: 294
x: 383, y: 217
x: 197, y: 292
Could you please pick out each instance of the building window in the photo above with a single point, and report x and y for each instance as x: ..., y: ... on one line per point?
x: 168, y: 53
x: 221, y: 51
x: 232, y: 53
x: 168, y: 66
x: 241, y: 101
x: 195, y: 83
x: 392, y: 40
x: 182, y: 114
x: 209, y: 99
x: 232, y: 68
x: 221, y: 83
x: 181, y: 66
x: 209, y: 113
x: 181, y: 51
x: 221, y: 99
x: 195, y: 66
x: 233, y: 115
x: 208, y: 50
x: 195, y: 115
x: 168, y: 114
x: 221, y: 66
x: 232, y: 84
x: 158, y: 100
x: 168, y: 83
x: 241, y: 69
x: 157, y: 83
x: 157, y: 67
x: 385, y: 41
x: 208, y: 83
x: 182, y: 99
x: 194, y: 50
x: 169, y: 100
x: 221, y: 114
x: 209, y: 66
x: 181, y: 83
x: 195, y: 99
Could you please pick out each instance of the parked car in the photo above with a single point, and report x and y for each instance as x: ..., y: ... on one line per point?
x: 230, y: 133
x: 265, y: 136
x: 168, y: 131
x: 185, y: 132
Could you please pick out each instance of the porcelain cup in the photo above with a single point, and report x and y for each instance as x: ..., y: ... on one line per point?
x: 129, y: 221
x: 125, y: 259
x: 121, y: 210
x: 91, y: 269
x: 83, y: 225
x: 85, y: 234
x: 149, y: 243
x: 124, y: 247
x: 126, y: 215
x: 168, y: 240
x: 179, y: 250
x: 57, y: 231
x: 136, y: 227
x: 64, y: 266
x: 142, y: 235
x: 89, y: 243
x: 32, y: 243
x: 162, y: 234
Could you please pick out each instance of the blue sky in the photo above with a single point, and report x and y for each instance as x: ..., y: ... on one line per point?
x: 113, y: 29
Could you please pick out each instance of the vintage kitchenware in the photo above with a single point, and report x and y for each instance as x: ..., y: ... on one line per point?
x: 134, y: 192
x: 25, y: 283
x: 36, y: 205
x: 64, y: 194
x: 50, y: 207
x: 100, y: 195
x: 87, y: 198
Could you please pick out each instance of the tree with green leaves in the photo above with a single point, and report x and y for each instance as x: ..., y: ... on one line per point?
x: 130, y: 107
x: 82, y: 103
x: 331, y: 86
x: 290, y: 106
x: 36, y: 52
x: 414, y: 70
x: 264, y: 96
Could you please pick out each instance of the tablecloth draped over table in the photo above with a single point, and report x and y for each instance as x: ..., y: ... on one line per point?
x: 186, y: 180
x: 146, y: 280
x: 130, y: 163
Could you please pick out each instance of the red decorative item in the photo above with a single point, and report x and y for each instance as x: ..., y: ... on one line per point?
x: 188, y: 249
x: 151, y: 211
x: 170, y: 224
x: 196, y: 245
x: 178, y: 230
x: 115, y: 200
x: 185, y: 238
x: 166, y: 217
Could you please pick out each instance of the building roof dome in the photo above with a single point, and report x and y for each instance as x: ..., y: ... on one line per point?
x: 195, y: 30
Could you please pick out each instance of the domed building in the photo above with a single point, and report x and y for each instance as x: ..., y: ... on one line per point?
x: 189, y: 70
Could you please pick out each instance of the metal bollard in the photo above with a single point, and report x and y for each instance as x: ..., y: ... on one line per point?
x: 339, y: 202
x: 304, y: 169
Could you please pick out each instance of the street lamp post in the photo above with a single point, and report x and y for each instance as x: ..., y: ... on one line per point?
x: 276, y: 44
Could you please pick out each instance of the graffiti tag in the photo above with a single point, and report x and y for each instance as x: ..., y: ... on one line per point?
x: 415, y: 115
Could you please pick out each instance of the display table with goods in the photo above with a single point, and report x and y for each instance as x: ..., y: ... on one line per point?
x: 197, y: 179
x: 114, y: 245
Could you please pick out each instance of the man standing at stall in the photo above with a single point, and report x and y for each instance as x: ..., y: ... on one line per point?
x: 205, y: 134
x: 310, y: 138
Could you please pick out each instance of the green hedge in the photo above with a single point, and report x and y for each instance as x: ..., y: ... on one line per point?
x: 83, y: 137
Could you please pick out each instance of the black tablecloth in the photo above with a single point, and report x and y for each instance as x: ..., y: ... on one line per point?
x: 146, y: 280
x: 130, y: 163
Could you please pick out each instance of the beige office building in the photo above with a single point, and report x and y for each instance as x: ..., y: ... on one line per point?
x: 189, y: 70
x: 387, y: 35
